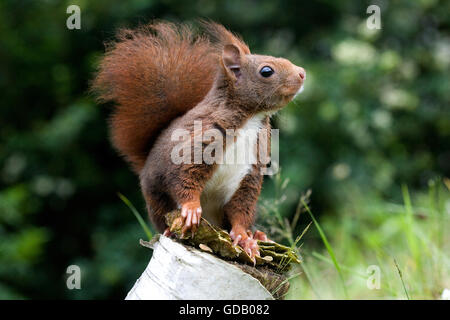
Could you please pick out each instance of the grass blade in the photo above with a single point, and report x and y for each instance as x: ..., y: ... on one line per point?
x: 284, y: 281
x: 345, y: 268
x: 401, y: 278
x: 137, y: 215
x: 301, y: 235
x: 328, y: 247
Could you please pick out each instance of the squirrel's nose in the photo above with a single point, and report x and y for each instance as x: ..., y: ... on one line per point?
x: 302, y: 73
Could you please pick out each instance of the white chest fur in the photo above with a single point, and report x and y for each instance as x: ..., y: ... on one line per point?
x: 237, y: 162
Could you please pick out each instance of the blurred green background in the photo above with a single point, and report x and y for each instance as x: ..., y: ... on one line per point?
x: 374, y: 115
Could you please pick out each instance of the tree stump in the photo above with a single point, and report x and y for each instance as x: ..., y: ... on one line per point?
x: 177, y: 272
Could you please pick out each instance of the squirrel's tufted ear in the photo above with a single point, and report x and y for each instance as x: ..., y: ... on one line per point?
x: 232, y: 60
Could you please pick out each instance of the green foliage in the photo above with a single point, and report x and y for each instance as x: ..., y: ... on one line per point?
x: 374, y: 115
x: 374, y: 235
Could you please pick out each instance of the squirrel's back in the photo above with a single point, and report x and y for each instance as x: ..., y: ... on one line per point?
x: 152, y: 75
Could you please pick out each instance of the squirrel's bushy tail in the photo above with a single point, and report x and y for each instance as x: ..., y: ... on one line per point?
x: 152, y: 75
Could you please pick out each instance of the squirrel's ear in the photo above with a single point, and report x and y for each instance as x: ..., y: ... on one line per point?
x: 231, y: 57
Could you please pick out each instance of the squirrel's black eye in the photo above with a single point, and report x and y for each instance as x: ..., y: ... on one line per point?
x: 266, y: 71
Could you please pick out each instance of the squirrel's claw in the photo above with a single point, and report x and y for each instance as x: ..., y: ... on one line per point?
x: 246, y: 241
x: 191, y: 212
x: 168, y: 233
x: 251, y: 248
x: 236, y: 240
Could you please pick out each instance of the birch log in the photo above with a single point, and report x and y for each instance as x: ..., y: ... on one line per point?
x: 179, y: 272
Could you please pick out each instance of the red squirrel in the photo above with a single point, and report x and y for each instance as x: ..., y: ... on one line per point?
x: 162, y: 77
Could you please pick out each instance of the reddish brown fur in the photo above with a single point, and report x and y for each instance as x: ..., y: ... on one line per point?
x: 152, y: 75
x: 162, y: 78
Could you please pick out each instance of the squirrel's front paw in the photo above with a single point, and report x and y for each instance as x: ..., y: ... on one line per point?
x: 191, y: 212
x: 246, y: 241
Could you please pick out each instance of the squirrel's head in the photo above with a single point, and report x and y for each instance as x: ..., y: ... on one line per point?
x: 263, y: 82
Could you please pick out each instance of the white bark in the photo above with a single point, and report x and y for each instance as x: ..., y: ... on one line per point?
x: 178, y: 272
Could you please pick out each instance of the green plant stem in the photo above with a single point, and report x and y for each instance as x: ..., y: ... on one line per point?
x: 328, y: 247
x: 137, y: 215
